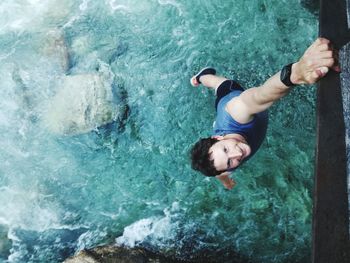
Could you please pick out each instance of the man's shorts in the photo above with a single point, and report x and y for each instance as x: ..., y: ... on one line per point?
x: 225, y: 88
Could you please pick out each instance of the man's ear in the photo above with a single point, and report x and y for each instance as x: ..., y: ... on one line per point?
x: 218, y: 137
x: 226, y: 181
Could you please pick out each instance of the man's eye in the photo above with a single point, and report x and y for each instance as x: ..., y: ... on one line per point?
x: 225, y: 149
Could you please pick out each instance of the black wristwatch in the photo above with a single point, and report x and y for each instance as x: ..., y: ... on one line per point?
x: 286, y: 72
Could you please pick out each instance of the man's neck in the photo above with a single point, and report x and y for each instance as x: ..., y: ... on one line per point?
x: 235, y: 136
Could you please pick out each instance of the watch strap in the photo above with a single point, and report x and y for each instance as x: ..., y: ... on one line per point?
x: 286, y: 72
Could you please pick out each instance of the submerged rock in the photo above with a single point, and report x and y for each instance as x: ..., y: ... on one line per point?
x: 83, y: 103
x: 115, y: 254
x: 118, y: 254
x: 54, y: 48
x: 5, y: 243
x: 312, y: 5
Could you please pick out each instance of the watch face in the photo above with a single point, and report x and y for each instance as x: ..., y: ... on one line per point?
x: 285, y: 75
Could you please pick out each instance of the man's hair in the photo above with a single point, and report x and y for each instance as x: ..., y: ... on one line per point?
x: 201, y: 158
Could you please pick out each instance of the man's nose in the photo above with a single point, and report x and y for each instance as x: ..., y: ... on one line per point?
x: 234, y: 154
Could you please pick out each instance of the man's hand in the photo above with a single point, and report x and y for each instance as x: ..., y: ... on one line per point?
x: 315, y: 63
x: 226, y: 181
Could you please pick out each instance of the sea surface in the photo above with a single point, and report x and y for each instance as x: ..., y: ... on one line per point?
x: 119, y: 171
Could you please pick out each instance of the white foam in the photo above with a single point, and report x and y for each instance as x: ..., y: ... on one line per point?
x: 172, y: 3
x: 118, y: 7
x: 90, y: 238
x: 138, y: 231
x: 16, y: 256
x: 29, y: 15
x: 22, y: 209
x: 155, y: 228
x: 83, y: 5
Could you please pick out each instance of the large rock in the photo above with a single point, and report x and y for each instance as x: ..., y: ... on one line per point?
x: 312, y: 5
x: 53, y: 47
x: 115, y: 254
x: 82, y: 103
x: 5, y: 243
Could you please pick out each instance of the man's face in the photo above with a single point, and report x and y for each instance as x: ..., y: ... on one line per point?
x: 229, y: 153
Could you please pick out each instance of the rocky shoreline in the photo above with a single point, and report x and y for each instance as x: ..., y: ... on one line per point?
x: 122, y: 254
x: 118, y: 254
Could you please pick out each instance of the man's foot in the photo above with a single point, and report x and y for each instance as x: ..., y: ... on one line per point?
x: 195, y: 82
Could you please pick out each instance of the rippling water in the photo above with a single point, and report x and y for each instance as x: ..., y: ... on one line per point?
x: 121, y: 173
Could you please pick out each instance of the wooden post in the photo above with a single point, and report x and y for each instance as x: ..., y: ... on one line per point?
x: 331, y: 212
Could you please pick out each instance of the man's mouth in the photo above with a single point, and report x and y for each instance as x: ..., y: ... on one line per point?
x: 243, y: 153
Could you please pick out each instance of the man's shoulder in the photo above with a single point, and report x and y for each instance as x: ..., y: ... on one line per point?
x: 238, y: 110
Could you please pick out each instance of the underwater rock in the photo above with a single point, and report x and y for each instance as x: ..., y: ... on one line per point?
x: 83, y: 103
x: 5, y: 243
x: 115, y: 254
x: 54, y: 47
x: 87, y: 52
x: 312, y: 5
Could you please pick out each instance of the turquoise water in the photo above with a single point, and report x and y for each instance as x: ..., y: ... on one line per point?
x: 68, y: 186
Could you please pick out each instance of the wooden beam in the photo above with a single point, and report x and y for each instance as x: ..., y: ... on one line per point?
x: 330, y: 241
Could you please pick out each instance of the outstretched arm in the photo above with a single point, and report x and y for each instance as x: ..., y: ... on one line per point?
x: 312, y: 66
x: 226, y: 181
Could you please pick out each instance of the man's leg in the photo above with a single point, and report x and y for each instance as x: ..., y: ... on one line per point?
x: 212, y: 81
x: 221, y: 85
x: 207, y: 77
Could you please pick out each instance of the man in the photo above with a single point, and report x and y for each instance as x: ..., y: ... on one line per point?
x: 242, y: 118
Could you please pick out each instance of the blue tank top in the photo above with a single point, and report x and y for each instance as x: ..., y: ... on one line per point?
x: 254, y: 131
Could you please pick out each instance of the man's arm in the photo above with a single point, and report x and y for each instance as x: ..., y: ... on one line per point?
x: 226, y: 181
x: 312, y: 66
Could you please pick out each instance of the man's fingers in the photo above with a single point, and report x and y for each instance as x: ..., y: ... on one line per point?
x: 322, y: 55
x: 326, y: 54
x: 336, y: 68
x: 326, y: 58
x: 229, y: 184
x: 319, y: 41
x: 324, y: 70
x: 323, y: 47
x: 313, y: 64
x: 325, y: 62
x: 320, y: 72
x: 328, y: 62
x: 318, y: 59
x: 317, y: 74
